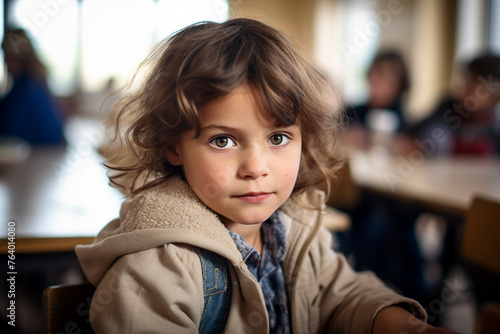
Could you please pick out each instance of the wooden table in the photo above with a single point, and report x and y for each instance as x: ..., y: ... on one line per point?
x: 57, y: 199
x: 447, y: 184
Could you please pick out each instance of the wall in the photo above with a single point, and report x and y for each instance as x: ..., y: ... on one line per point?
x: 424, y: 31
x: 295, y: 18
x: 432, y: 53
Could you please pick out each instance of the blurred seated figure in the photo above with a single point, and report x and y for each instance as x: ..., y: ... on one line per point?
x: 382, y: 237
x: 468, y: 118
x: 388, y: 80
x: 28, y: 110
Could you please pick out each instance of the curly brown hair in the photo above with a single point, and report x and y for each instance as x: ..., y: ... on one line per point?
x: 208, y: 60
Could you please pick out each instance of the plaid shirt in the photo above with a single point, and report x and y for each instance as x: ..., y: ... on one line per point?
x: 268, y: 271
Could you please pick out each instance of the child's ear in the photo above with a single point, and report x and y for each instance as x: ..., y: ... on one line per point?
x: 173, y: 155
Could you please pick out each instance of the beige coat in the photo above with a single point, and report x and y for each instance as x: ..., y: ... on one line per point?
x: 149, y: 278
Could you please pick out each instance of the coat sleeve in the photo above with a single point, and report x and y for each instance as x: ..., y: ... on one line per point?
x: 349, y: 301
x: 152, y: 291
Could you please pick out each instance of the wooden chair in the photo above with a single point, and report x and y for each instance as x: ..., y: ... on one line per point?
x: 66, y: 308
x: 481, y: 235
x: 480, y: 252
x: 488, y: 319
x: 345, y: 194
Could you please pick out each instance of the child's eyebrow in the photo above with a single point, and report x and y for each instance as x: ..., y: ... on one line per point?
x: 226, y: 128
x: 217, y: 127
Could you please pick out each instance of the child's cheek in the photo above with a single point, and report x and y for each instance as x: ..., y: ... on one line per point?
x: 221, y: 172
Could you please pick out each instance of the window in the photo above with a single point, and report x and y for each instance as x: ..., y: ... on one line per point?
x: 85, y: 43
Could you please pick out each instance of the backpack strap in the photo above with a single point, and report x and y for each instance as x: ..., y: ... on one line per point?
x: 216, y: 291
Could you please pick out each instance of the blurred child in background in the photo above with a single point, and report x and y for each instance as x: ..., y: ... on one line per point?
x: 28, y: 111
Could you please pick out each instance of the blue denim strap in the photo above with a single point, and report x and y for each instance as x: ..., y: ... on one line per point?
x: 216, y: 290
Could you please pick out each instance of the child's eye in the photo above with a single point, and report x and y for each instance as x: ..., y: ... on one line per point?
x: 278, y: 139
x: 222, y: 142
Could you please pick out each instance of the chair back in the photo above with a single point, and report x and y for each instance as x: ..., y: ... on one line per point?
x: 481, y: 235
x: 488, y: 319
x: 66, y: 308
x: 345, y: 193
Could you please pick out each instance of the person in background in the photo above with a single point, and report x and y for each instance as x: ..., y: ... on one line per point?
x: 469, y: 122
x: 468, y: 118
x: 382, y: 237
x: 28, y: 111
x: 388, y: 81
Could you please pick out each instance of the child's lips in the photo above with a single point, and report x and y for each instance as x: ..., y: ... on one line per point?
x: 253, y: 197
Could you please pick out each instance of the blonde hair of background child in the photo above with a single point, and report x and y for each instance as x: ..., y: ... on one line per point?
x: 208, y: 60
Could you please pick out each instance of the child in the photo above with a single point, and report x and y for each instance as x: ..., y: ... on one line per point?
x: 28, y: 110
x: 229, y: 123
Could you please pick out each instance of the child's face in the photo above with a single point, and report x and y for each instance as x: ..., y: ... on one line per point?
x: 243, y: 166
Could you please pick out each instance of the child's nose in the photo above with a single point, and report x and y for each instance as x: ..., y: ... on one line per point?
x: 253, y: 164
